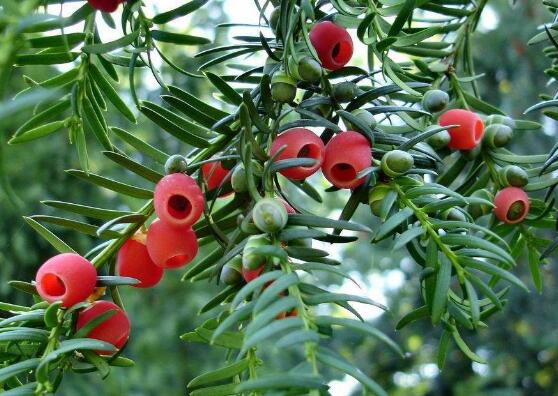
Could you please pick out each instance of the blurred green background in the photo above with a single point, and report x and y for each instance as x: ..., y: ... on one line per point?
x: 521, y: 343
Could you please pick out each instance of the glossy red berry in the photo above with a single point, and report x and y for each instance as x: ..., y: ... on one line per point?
x: 178, y: 200
x: 115, y: 330
x: 105, y: 5
x: 300, y: 143
x: 171, y: 247
x: 468, y: 134
x: 345, y: 155
x: 332, y: 43
x: 511, y: 205
x: 214, y: 174
x: 67, y: 277
x: 134, y: 261
x: 250, y: 275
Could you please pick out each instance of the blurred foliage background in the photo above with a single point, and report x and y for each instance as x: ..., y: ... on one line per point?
x: 521, y: 345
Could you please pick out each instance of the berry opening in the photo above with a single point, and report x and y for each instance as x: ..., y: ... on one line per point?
x: 479, y: 131
x: 341, y: 52
x: 53, y: 285
x: 177, y: 261
x: 179, y: 206
x: 516, y: 210
x: 343, y: 172
x: 309, y: 151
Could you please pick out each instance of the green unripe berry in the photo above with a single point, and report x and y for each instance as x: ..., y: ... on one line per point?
x: 239, y: 182
x: 435, y: 100
x: 513, y: 175
x: 231, y: 273
x: 477, y: 210
x: 345, y: 91
x: 176, y: 164
x: 497, y: 135
x: 250, y: 260
x: 309, y: 69
x: 366, y: 117
x: 439, y: 140
x: 283, y: 88
x: 270, y: 215
x: 471, y: 155
x: 500, y: 119
x: 454, y: 214
x: 375, y: 197
x: 396, y: 163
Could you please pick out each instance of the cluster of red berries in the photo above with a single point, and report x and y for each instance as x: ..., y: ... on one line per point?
x: 511, y: 203
x: 105, y: 5
x: 71, y: 279
x: 341, y: 159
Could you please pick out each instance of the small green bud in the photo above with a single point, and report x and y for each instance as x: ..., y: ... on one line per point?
x: 477, y: 210
x: 513, y: 175
x: 231, y: 273
x: 435, y: 100
x: 500, y: 119
x: 283, y: 87
x: 497, y: 135
x: 397, y: 163
x: 345, y: 91
x: 250, y: 260
x: 239, y: 181
x: 176, y: 164
x: 270, y: 215
x: 366, y: 117
x: 439, y: 140
x: 375, y: 197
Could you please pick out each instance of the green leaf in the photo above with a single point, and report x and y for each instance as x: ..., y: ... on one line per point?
x: 402, y: 16
x: 233, y: 96
x: 443, y: 349
x: 414, y: 315
x: 465, y: 349
x: 17, y: 368
x: 256, y: 284
x: 471, y: 241
x: 56, y: 58
x: 341, y: 297
x: 440, y: 298
x: 407, y: 237
x: 219, y: 390
x: 87, y: 211
x: 286, y: 381
x: 534, y: 267
x: 112, y: 185
x: 103, y: 48
x: 295, y: 338
x: 110, y: 93
x: 24, y: 334
x: 492, y: 269
x: 321, y: 222
x: 176, y: 38
x: 38, y: 132
x: 337, y: 362
x: 178, y: 12
x: 271, y: 330
x: 56, y: 242
x: 392, y: 223
x: 133, y: 166
x: 140, y: 145
x: 271, y: 293
x: 220, y: 374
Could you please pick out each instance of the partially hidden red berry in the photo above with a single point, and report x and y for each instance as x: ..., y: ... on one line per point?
x: 300, y: 143
x: 468, y: 134
x: 214, y: 174
x: 250, y: 275
x: 178, y: 200
x: 289, y: 208
x: 115, y: 330
x: 171, y: 247
x: 345, y: 155
x: 67, y: 277
x: 332, y: 43
x: 134, y: 261
x: 105, y: 5
x: 511, y: 205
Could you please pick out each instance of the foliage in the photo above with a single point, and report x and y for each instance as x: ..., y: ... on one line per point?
x: 466, y: 264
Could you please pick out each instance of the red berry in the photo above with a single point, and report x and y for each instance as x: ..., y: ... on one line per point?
x: 345, y: 155
x: 115, y: 330
x: 178, y: 200
x: 250, y: 275
x: 67, y: 277
x: 171, y: 247
x: 511, y: 205
x: 469, y: 132
x: 300, y: 143
x: 134, y: 261
x: 332, y: 43
x: 214, y: 174
x: 105, y: 5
